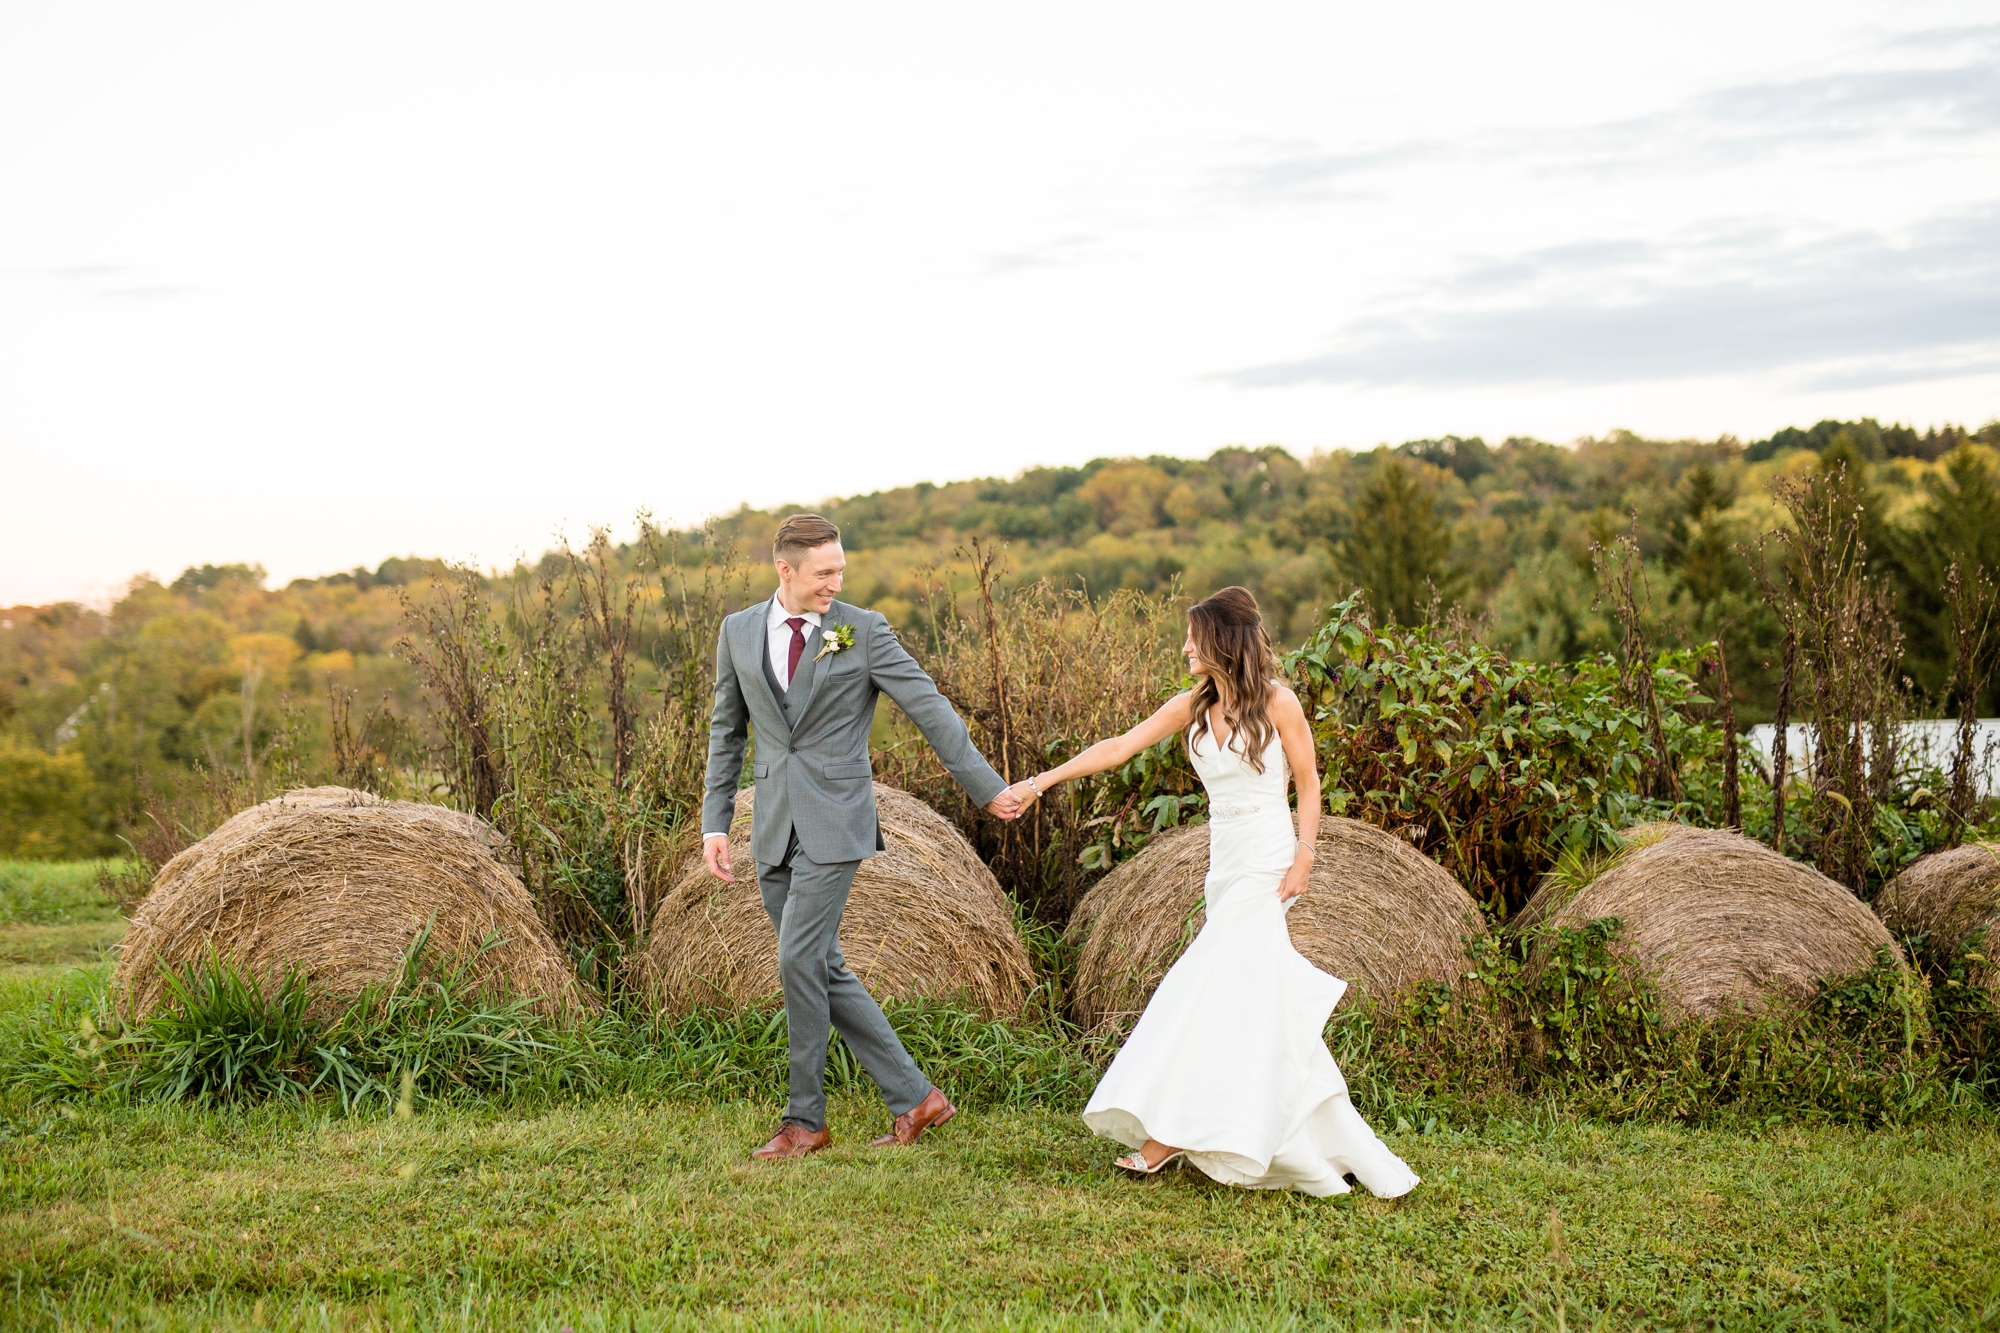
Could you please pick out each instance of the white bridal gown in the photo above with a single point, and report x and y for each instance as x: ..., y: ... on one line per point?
x: 1228, y: 1061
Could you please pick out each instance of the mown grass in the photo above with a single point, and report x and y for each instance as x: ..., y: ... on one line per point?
x: 627, y: 1213
x: 623, y: 1198
x: 56, y: 912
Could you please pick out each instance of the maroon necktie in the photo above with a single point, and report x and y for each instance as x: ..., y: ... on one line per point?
x: 798, y: 624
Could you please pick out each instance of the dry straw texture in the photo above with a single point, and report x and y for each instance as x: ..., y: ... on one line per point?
x: 1718, y: 923
x: 1379, y: 914
x: 1569, y: 877
x: 925, y: 917
x: 338, y: 883
x: 1948, y: 896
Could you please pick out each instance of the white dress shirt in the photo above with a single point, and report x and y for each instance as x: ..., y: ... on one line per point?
x: 779, y: 636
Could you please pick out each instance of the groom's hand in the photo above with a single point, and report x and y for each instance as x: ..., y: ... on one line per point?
x: 1004, y: 806
x: 715, y: 852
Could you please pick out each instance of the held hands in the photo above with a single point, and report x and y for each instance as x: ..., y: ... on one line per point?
x: 1010, y: 803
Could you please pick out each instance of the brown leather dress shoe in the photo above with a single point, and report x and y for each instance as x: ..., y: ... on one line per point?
x: 793, y: 1140
x: 929, y: 1113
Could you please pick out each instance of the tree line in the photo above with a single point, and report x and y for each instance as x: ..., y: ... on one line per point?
x: 217, y: 674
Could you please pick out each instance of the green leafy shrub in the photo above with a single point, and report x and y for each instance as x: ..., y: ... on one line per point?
x: 1964, y: 1014
x: 1490, y: 766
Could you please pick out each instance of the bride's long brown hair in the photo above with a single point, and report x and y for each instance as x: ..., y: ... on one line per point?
x: 1228, y: 633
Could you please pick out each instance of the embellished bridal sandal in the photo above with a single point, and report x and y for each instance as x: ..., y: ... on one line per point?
x: 1135, y: 1162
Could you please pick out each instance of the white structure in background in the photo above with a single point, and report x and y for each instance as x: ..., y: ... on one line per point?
x: 1929, y: 744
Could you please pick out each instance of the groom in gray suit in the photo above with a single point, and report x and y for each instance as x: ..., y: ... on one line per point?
x: 804, y: 670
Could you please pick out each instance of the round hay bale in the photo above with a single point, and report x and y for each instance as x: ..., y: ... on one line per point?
x: 1379, y: 914
x: 1718, y: 923
x: 925, y: 918
x: 1572, y: 873
x: 347, y: 798
x: 1948, y: 896
x: 337, y: 884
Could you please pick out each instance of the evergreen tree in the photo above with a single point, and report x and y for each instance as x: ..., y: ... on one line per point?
x: 1700, y: 546
x: 1398, y: 550
x: 1960, y: 521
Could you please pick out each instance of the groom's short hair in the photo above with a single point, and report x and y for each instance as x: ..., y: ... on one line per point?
x: 801, y: 533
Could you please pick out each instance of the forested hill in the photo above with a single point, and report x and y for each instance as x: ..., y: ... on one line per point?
x: 215, y: 669
x: 1501, y: 531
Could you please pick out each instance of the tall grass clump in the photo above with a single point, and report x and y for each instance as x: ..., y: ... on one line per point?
x: 51, y: 892
x: 221, y: 1036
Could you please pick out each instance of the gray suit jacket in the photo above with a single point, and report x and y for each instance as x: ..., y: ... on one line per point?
x: 812, y: 767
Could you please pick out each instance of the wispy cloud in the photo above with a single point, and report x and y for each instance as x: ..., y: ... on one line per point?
x: 141, y: 293
x: 96, y: 281
x: 1293, y: 173
x: 1851, y: 308
x: 1746, y: 121
x: 1049, y: 254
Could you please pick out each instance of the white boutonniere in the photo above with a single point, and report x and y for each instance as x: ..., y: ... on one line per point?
x: 837, y: 638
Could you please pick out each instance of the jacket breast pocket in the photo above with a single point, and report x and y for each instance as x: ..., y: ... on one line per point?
x: 847, y: 769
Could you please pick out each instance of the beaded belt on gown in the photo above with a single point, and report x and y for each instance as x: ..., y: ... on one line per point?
x: 1233, y: 810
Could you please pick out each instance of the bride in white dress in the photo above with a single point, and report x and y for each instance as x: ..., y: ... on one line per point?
x: 1228, y: 1067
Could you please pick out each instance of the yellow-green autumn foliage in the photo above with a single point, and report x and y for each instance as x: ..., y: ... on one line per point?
x: 45, y: 804
x: 214, y: 675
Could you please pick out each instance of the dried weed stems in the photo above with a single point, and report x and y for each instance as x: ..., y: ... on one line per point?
x: 539, y: 727
x: 1040, y: 672
x: 1839, y: 626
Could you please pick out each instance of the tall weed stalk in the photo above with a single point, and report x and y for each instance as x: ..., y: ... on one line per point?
x: 1040, y: 672
x: 543, y: 726
x: 1849, y: 647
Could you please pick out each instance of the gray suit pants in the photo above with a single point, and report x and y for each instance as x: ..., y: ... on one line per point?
x: 805, y: 900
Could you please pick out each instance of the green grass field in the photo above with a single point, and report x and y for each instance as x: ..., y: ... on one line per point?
x: 623, y: 1213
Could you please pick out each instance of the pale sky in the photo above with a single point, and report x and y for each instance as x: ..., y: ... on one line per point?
x: 310, y: 286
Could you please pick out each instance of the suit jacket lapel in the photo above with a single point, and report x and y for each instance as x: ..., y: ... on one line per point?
x: 809, y: 664
x: 752, y: 641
